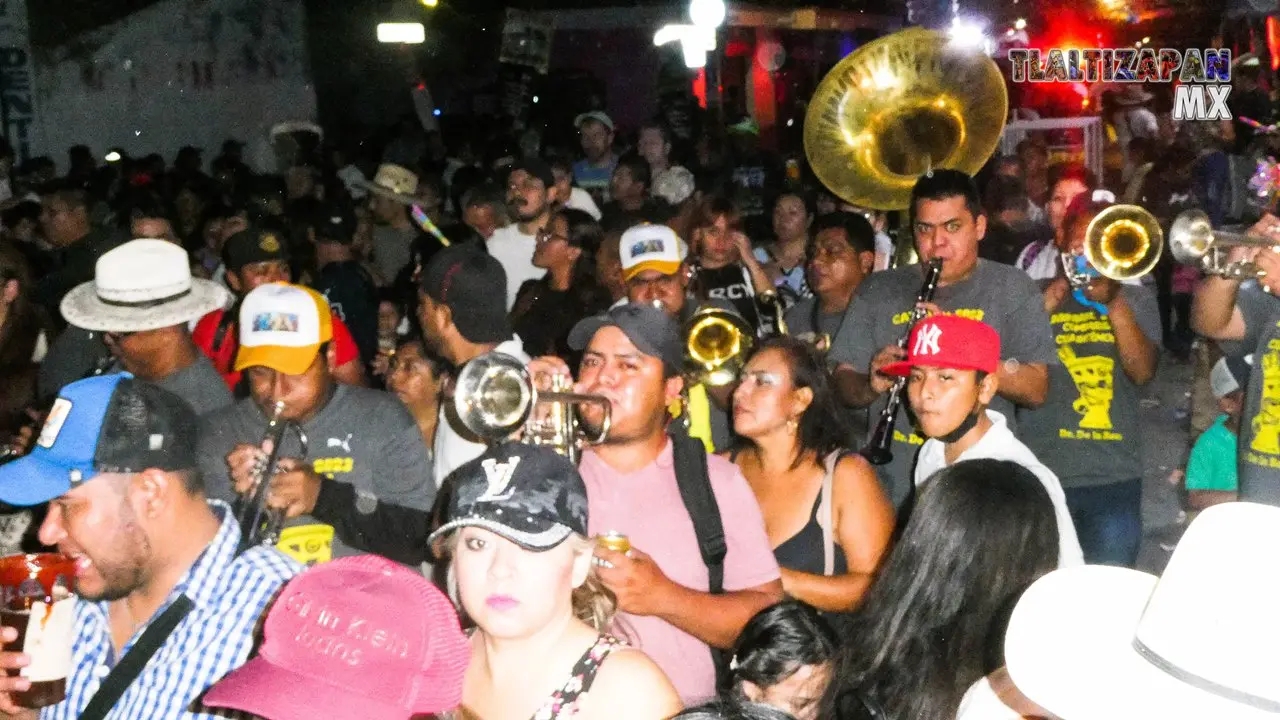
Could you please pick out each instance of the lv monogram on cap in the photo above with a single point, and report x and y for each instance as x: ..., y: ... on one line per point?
x: 499, y: 477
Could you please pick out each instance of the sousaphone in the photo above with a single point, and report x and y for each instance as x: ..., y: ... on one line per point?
x: 898, y: 107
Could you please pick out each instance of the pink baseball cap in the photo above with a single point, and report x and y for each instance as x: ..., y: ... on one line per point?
x: 357, y: 637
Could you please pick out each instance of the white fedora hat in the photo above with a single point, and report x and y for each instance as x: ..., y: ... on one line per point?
x: 1200, y: 642
x: 141, y: 285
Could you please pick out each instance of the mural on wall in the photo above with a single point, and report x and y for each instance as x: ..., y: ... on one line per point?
x: 182, y: 72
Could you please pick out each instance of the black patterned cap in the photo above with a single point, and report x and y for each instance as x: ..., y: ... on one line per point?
x: 530, y: 495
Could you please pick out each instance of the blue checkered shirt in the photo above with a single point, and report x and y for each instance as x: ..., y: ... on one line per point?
x: 229, y: 595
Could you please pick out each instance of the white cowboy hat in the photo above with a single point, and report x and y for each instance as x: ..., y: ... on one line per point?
x: 141, y: 285
x: 395, y: 183
x: 1198, y: 643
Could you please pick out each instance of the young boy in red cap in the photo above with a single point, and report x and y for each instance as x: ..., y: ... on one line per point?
x: 951, y: 369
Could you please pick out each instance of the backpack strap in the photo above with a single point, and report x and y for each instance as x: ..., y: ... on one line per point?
x: 694, y: 482
x: 135, y: 660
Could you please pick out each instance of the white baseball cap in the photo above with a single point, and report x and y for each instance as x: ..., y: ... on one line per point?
x: 651, y: 247
x: 282, y: 326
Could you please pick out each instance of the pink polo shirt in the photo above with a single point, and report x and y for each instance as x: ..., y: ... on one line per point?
x: 647, y: 508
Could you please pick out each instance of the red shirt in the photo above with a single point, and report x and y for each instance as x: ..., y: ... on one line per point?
x: 344, y: 346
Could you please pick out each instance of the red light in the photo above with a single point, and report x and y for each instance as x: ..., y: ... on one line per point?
x: 700, y: 87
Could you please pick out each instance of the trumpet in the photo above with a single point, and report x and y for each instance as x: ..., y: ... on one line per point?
x: 1123, y: 242
x: 494, y: 397
x: 258, y: 523
x: 717, y: 343
x: 1193, y: 241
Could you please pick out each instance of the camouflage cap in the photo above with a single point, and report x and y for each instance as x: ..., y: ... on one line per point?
x: 530, y: 495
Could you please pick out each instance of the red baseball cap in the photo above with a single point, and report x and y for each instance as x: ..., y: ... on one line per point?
x: 950, y: 341
x: 358, y: 637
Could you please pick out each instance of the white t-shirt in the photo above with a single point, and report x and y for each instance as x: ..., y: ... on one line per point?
x: 884, y: 251
x: 514, y: 250
x: 1000, y: 444
x: 580, y: 199
x: 451, y: 448
x: 1039, y: 260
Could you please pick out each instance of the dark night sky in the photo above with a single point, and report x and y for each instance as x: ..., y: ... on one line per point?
x: 56, y: 20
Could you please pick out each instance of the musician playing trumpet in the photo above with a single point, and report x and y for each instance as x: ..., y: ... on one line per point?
x: 1227, y: 308
x: 358, y: 436
x: 1107, y: 333
x: 947, y: 222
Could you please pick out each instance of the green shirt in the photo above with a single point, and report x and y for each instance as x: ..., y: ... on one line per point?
x: 1213, y: 459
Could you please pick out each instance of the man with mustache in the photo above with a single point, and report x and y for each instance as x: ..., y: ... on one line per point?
x: 531, y: 196
x: 631, y: 356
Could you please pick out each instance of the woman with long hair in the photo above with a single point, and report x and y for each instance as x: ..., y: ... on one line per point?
x: 784, y: 258
x: 547, y: 308
x: 932, y: 625
x: 523, y: 572
x: 22, y: 339
x: 826, y: 514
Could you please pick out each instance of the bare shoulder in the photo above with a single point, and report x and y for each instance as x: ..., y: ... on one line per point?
x: 855, y: 483
x: 853, y: 474
x: 630, y: 686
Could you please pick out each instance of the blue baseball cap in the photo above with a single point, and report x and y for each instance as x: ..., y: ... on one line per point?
x: 107, y: 424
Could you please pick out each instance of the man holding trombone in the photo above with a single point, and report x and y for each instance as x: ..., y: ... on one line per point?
x: 1230, y: 306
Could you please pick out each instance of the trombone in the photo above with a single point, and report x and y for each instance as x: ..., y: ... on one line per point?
x: 1123, y: 242
x: 1194, y: 241
x: 494, y: 397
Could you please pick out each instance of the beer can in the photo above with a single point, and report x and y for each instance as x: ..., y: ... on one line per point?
x: 614, y: 541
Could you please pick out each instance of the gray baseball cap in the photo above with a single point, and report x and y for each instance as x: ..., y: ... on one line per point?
x: 650, y: 329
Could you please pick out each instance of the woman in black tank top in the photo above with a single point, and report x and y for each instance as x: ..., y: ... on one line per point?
x: 827, y: 517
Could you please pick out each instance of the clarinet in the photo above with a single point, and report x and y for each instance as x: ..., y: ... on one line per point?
x: 877, y: 451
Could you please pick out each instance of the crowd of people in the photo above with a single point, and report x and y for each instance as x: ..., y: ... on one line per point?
x: 168, y: 335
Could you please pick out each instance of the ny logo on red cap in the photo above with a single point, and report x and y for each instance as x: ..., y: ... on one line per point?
x: 499, y: 476
x: 927, y: 340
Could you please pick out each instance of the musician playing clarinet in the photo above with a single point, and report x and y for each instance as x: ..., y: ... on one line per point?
x: 947, y: 222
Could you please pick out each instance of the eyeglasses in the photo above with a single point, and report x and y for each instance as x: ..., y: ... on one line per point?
x: 546, y: 236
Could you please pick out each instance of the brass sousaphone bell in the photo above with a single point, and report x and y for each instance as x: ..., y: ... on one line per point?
x: 898, y: 107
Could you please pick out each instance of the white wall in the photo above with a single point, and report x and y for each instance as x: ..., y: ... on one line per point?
x: 183, y: 72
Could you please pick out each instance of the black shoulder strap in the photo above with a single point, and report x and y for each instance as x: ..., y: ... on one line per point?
x: 695, y: 489
x: 131, y: 665
x: 700, y: 501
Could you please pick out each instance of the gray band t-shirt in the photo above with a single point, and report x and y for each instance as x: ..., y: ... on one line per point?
x: 363, y: 437
x: 1259, y: 452
x: 999, y: 295
x: 1087, y: 430
x: 800, y: 324
x: 200, y: 385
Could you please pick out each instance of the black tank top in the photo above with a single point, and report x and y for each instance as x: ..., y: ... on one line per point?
x: 803, y: 552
